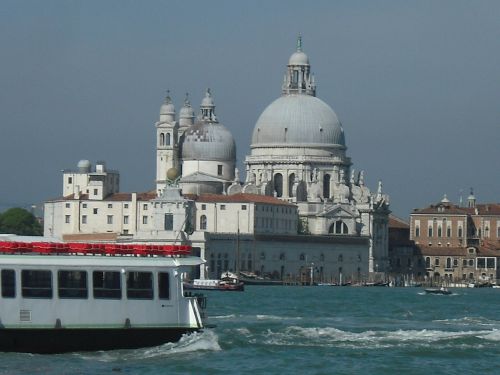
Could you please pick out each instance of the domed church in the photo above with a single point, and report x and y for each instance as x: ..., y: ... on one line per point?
x: 202, y: 149
x: 298, y: 154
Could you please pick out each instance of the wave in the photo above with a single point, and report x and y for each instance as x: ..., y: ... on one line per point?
x: 329, y: 336
x: 206, y: 340
x: 467, y: 321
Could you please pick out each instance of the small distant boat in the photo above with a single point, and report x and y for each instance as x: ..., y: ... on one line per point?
x: 250, y: 278
x: 228, y: 282
x: 441, y: 290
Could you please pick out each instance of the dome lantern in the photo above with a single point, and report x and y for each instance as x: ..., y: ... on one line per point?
x: 167, y: 109
x: 298, y: 79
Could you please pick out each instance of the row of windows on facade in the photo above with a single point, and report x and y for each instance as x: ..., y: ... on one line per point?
x: 278, y: 184
x: 481, y: 262
x: 74, y: 284
x: 110, y: 205
x: 109, y: 219
x: 439, y: 232
x: 113, y: 180
x: 282, y: 257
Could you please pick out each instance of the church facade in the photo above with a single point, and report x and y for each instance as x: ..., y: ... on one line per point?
x: 300, y: 191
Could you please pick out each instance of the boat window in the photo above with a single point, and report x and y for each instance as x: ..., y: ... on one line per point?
x: 139, y: 285
x: 8, y: 283
x: 36, y: 283
x: 107, y: 284
x: 163, y: 285
x: 72, y: 284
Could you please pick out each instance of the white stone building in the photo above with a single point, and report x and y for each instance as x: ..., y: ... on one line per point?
x: 301, y: 204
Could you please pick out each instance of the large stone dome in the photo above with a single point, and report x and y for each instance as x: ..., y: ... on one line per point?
x: 298, y: 120
x: 208, y: 141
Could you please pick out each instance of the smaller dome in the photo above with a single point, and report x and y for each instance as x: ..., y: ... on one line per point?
x: 84, y: 166
x: 208, y: 141
x: 208, y: 101
x: 186, y: 110
x: 167, y: 108
x: 298, y: 58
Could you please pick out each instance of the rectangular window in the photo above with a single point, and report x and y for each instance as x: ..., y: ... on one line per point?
x: 125, y: 205
x: 163, y: 285
x: 70, y: 180
x: 203, y: 207
x: 95, y: 211
x: 169, y: 222
x: 107, y: 284
x: 222, y: 207
x: 490, y: 262
x: 110, y: 219
x: 84, y: 205
x: 84, y: 219
x: 72, y: 284
x: 144, y: 219
x: 125, y: 220
x: 95, y: 192
x: 36, y: 283
x: 481, y: 263
x: 110, y: 205
x: 67, y: 205
x: 145, y: 207
x: 139, y: 285
x: 66, y: 219
x: 243, y: 207
x: 219, y: 170
x: 8, y: 283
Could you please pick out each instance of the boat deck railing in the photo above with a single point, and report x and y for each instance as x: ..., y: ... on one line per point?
x: 80, y: 248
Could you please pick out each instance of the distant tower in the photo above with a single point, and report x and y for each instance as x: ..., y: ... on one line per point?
x: 471, y: 199
x: 167, y: 146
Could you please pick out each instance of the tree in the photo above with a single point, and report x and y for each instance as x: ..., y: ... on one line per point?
x: 20, y: 221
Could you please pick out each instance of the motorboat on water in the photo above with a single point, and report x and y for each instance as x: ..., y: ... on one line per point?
x: 443, y: 290
x: 228, y: 282
x: 66, y: 297
x: 250, y: 278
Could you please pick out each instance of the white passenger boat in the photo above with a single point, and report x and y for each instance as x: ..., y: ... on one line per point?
x: 78, y: 297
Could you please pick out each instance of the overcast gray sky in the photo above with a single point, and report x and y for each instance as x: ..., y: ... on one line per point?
x: 416, y: 85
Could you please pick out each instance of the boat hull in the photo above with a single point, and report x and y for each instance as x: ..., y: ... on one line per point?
x: 51, y: 341
x: 437, y: 291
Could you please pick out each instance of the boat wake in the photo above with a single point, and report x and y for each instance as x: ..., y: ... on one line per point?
x: 189, y: 343
x: 333, y: 337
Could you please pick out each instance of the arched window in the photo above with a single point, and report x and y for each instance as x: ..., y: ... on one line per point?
x: 429, y: 231
x: 282, y: 256
x: 162, y: 139
x: 440, y: 231
x: 167, y: 139
x: 326, y: 186
x: 460, y: 232
x: 341, y: 227
x: 417, y: 231
x: 291, y: 180
x: 428, y: 262
x: 436, y: 261
x: 341, y: 258
x: 278, y: 184
x: 448, y: 262
x: 486, y: 232
x: 302, y: 256
x: 203, y: 222
x: 448, y: 232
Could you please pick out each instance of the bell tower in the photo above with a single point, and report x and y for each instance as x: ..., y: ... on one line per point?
x: 167, y: 147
